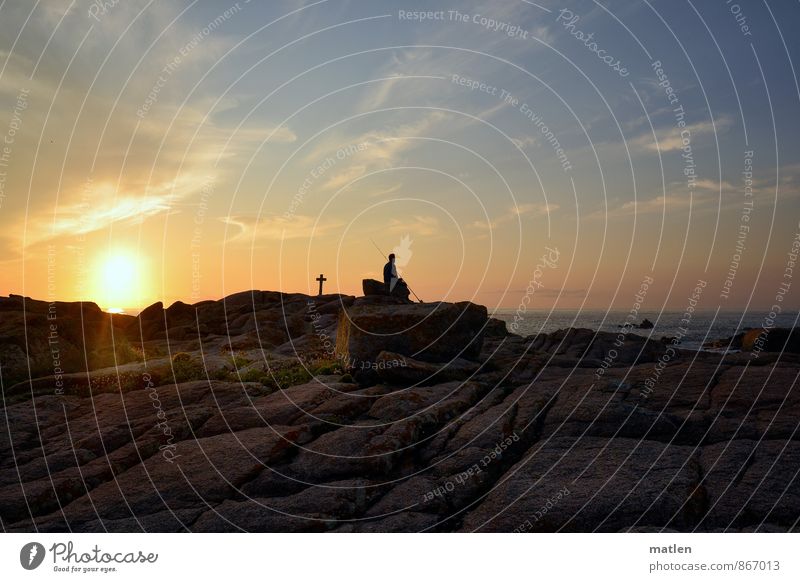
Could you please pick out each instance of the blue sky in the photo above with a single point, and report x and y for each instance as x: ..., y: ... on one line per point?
x: 484, y: 137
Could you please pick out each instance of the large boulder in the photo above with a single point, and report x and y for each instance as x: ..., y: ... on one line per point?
x: 372, y: 288
x: 431, y: 332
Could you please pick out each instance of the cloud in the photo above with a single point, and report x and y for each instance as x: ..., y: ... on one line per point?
x: 378, y: 149
x: 278, y: 227
x: 523, y: 142
x: 418, y: 225
x: 666, y: 204
x: 706, y: 184
x: 384, y: 191
x: 143, y: 167
x: 345, y: 177
x: 528, y: 209
x: 670, y: 139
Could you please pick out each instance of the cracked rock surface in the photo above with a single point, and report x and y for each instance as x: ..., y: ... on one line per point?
x: 519, y: 440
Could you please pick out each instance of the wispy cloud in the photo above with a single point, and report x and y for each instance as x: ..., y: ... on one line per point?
x: 379, y: 149
x: 248, y: 227
x: 417, y: 225
x: 528, y: 209
x: 670, y: 139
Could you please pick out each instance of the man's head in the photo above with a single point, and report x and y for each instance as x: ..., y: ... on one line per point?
x: 391, y: 257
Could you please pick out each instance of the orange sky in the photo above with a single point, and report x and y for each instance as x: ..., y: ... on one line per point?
x: 243, y: 171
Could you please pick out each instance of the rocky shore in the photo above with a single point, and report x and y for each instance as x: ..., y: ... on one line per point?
x: 279, y: 412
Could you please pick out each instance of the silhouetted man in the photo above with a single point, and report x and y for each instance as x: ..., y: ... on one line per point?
x: 390, y: 278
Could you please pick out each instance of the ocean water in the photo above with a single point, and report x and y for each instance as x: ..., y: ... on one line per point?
x: 704, y: 326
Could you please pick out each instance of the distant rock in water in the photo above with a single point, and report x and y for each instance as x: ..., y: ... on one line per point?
x: 646, y: 324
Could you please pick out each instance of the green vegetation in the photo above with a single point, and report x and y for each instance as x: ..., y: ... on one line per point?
x: 222, y: 374
x: 286, y: 376
x: 253, y: 375
x: 185, y: 368
x: 123, y: 382
x: 327, y: 367
x: 239, y: 361
x: 122, y: 352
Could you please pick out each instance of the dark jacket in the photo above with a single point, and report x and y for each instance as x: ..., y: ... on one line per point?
x: 387, y: 274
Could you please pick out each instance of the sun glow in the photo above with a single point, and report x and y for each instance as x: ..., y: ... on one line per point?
x: 119, y: 282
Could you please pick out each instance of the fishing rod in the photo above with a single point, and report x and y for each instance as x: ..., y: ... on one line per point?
x: 387, y: 258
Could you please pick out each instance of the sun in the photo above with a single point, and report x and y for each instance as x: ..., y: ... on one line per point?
x: 119, y: 281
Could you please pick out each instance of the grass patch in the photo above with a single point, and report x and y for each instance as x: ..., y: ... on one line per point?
x: 185, y: 368
x: 239, y: 361
x: 122, y: 352
x: 327, y: 367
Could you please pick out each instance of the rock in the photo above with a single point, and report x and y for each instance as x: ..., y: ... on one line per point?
x: 407, y: 521
x: 496, y: 328
x: 579, y: 344
x: 398, y: 369
x: 732, y: 343
x: 441, y: 401
x: 371, y: 287
x: 774, y: 340
x: 605, y: 409
x: 82, y: 332
x: 565, y: 431
x: 769, y: 395
x: 313, y: 509
x: 593, y: 484
x: 646, y: 324
x: 271, y: 318
x: 431, y: 332
x: 748, y: 482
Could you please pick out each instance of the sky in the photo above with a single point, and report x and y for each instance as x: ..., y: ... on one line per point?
x: 520, y: 155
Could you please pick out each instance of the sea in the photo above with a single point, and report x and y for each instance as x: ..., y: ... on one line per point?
x: 703, y: 327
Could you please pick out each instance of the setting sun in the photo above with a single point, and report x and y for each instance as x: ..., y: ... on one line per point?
x: 119, y: 284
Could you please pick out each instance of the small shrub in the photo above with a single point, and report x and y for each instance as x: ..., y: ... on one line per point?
x: 221, y: 374
x: 239, y: 361
x: 252, y: 375
x: 181, y: 357
x: 327, y: 367
x: 185, y: 369
x: 121, y: 352
x: 153, y: 352
x: 285, y: 377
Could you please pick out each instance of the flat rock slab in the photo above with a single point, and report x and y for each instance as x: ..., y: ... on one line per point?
x: 432, y: 332
x: 592, y: 484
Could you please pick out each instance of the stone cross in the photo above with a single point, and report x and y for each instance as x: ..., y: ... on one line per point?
x: 321, y: 278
